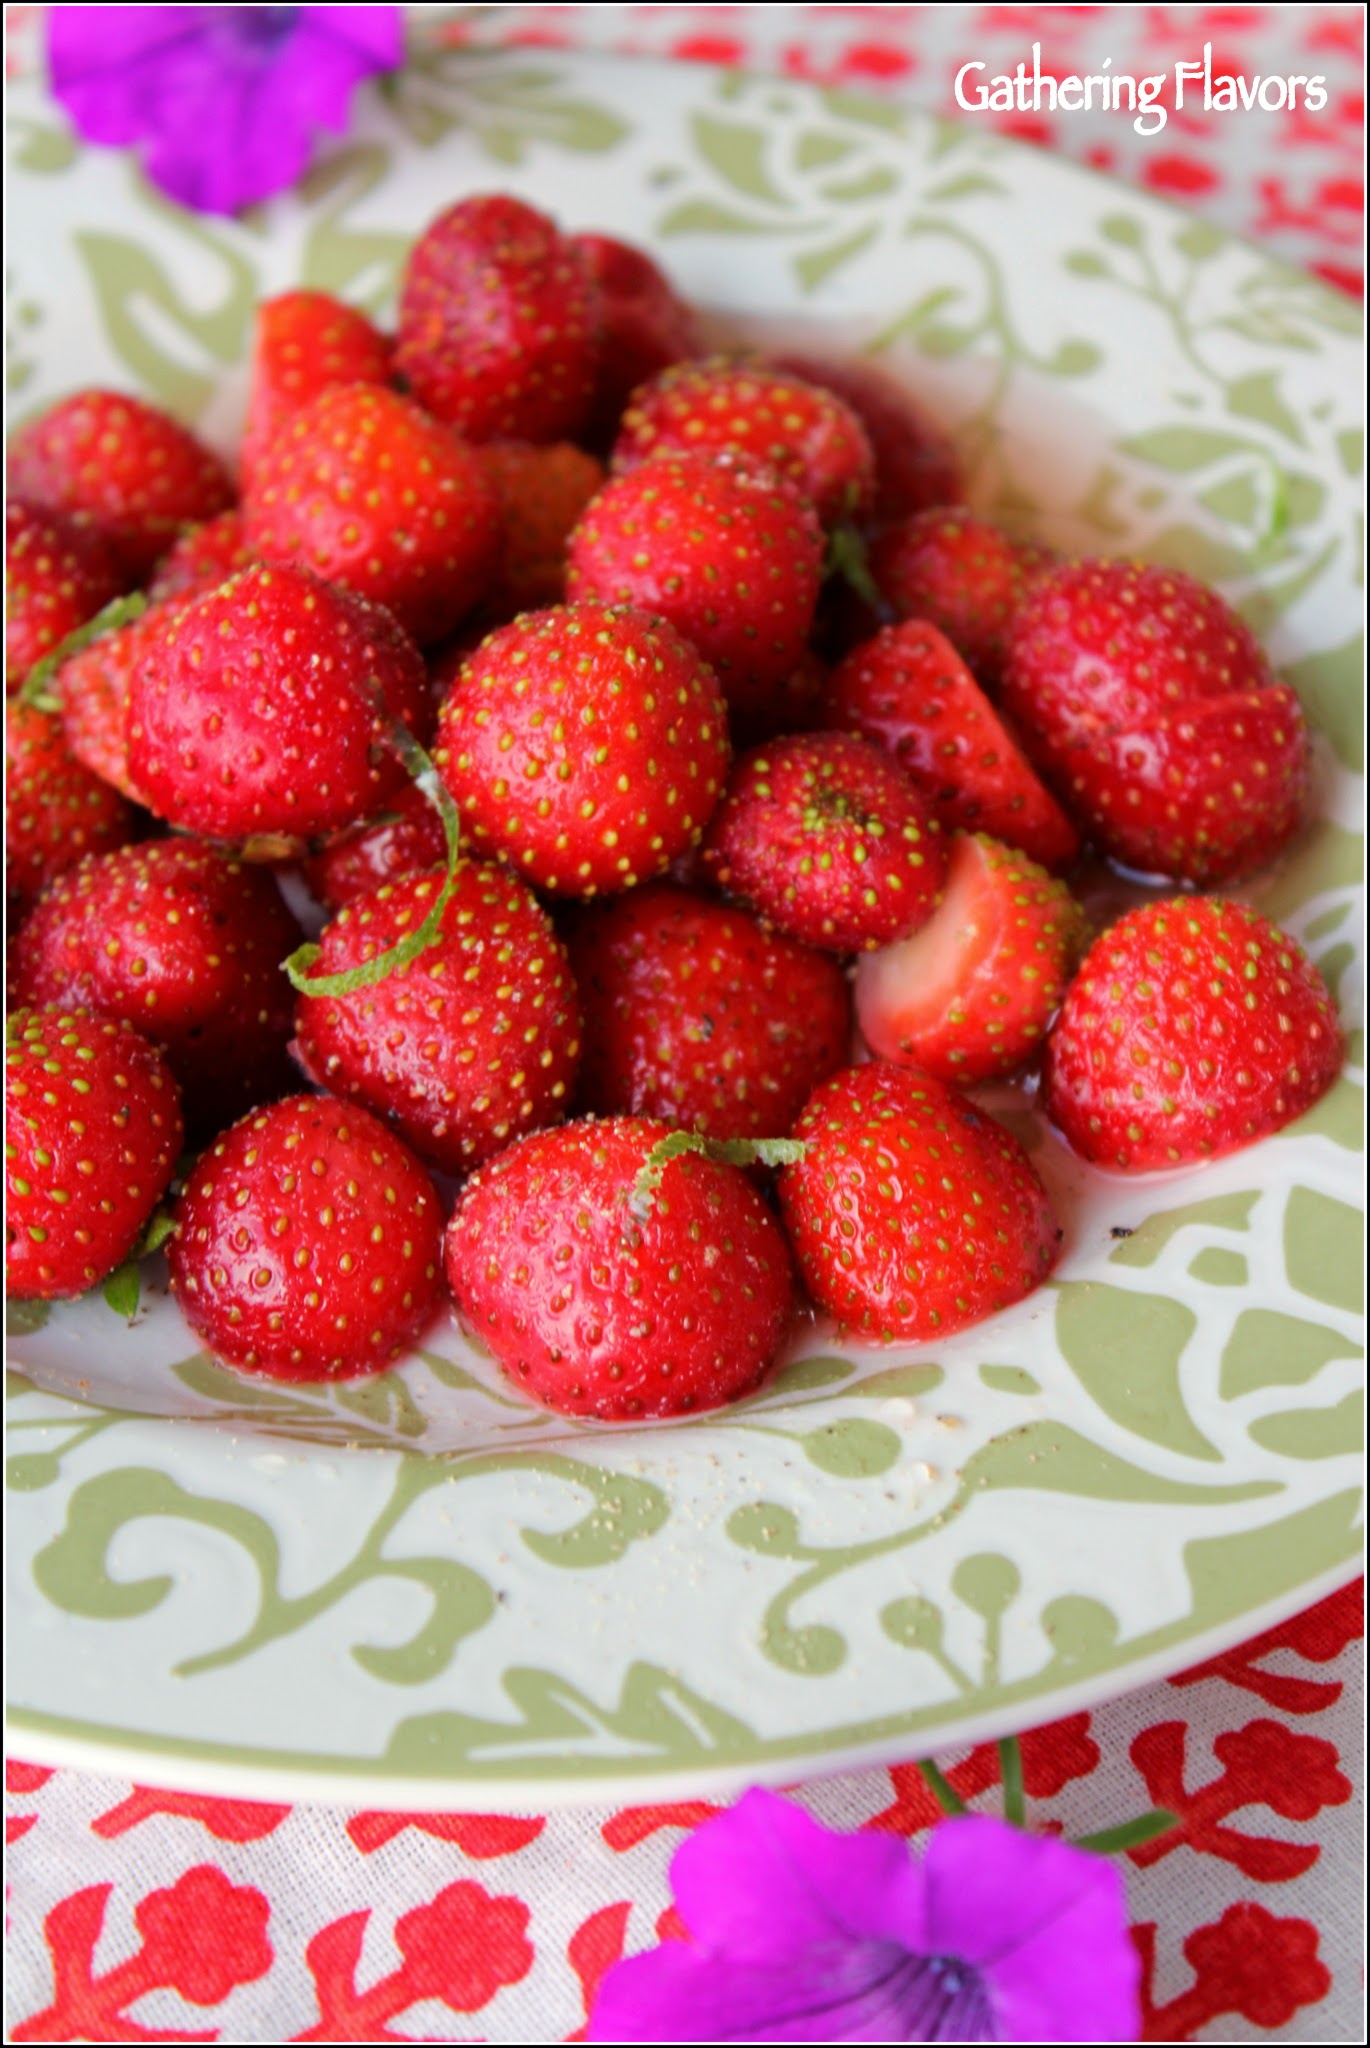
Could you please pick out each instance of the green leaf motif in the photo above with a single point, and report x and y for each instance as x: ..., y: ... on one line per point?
x: 1268, y: 1349
x: 1257, y: 397
x: 359, y: 264
x: 1010, y: 1379
x: 1339, y: 1116
x: 22, y: 1318
x: 817, y: 148
x: 898, y: 1383
x: 1279, y: 1557
x: 128, y: 280
x: 1314, y: 1432
x: 969, y: 185
x: 1199, y: 240
x: 1217, y: 1212
x: 867, y: 112
x: 706, y: 217
x: 48, y: 151
x: 767, y: 1530
x: 1183, y: 450
x: 1218, y: 1267
x: 625, y: 1511
x: 736, y: 152
x: 1331, y: 859
x: 852, y: 1448
x: 1329, y: 685
x: 1049, y: 1457
x: 1124, y: 1348
x: 816, y: 266
x: 1324, y: 1241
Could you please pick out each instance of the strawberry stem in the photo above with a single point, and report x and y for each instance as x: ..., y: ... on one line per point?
x: 123, y: 1287
x: 120, y: 611
x: 727, y: 1151
x: 427, y: 934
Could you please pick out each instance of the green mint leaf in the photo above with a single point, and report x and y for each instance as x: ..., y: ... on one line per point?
x: 120, y: 611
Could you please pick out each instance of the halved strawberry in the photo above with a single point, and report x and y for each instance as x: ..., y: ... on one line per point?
x: 961, y: 574
x: 828, y: 841
x: 697, y: 1016
x: 58, y: 574
x: 971, y: 994
x: 308, y: 1243
x: 909, y: 690
x: 56, y: 811
x: 467, y: 1046
x: 139, y: 474
x: 306, y: 342
x: 92, y: 1134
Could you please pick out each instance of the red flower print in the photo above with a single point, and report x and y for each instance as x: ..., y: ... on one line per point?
x: 635, y: 1823
x: 228, y: 1820
x: 24, y: 1777
x: 1264, y: 1764
x: 461, y: 1947
x: 594, y: 1947
x: 1318, y: 1634
x: 475, y: 1834
x: 1248, y: 1963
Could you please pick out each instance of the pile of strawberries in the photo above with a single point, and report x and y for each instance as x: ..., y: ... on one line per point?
x: 674, y: 883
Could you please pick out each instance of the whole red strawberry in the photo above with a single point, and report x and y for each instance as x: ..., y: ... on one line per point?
x: 92, y: 1133
x: 202, y: 558
x: 1194, y: 1027
x: 909, y: 690
x: 470, y: 1044
x: 1153, y: 708
x: 828, y: 841
x: 961, y: 574
x: 541, y: 490
x: 187, y: 944
x: 306, y: 342
x: 749, y: 409
x: 56, y: 811
x: 697, y: 1016
x: 912, y: 1213
x: 362, y: 487
x: 646, y: 327
x: 597, y: 1304
x: 499, y: 323
x: 587, y: 745
x: 970, y: 996
x: 916, y: 466
x: 58, y: 574
x: 729, y: 552
x: 404, y: 840
x: 308, y: 1243
x: 139, y: 474
x: 263, y: 708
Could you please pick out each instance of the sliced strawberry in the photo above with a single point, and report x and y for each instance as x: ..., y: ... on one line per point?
x: 971, y: 995
x: 139, y: 474
x: 306, y: 342
x: 597, y: 1305
x: 185, y: 944
x: 726, y: 550
x: 308, y: 1243
x: 202, y: 559
x: 960, y: 574
x: 1194, y: 1027
x: 587, y: 745
x: 541, y: 491
x: 744, y: 407
x: 404, y: 840
x: 56, y: 811
x: 828, y: 841
x: 697, y: 1016
x: 916, y: 467
x: 472, y: 1043
x: 647, y: 327
x: 499, y: 323
x: 912, y: 1213
x: 909, y: 690
x: 92, y: 1134
x: 58, y: 574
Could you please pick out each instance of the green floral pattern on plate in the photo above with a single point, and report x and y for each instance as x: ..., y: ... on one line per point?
x: 419, y: 1583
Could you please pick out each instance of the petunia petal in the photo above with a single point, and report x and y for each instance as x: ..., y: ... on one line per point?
x: 763, y: 1883
x: 1046, y: 1925
x: 376, y: 34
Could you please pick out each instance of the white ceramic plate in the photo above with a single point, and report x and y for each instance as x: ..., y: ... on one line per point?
x: 416, y: 1592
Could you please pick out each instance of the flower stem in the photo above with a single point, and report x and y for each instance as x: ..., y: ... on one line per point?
x: 1011, y: 1777
x: 1130, y: 1834
x: 947, y: 1798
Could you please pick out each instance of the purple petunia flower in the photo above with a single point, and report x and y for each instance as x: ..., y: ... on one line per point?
x: 225, y: 100
x: 799, y: 1934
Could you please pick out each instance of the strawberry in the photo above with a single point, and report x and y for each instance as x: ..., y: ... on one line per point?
x: 646, y: 327
x: 912, y: 1212
x: 182, y: 942
x: 728, y: 551
x: 308, y: 1243
x: 541, y: 493
x: 306, y: 342
x: 597, y: 1305
x: 263, y: 707
x: 92, y: 1133
x: 94, y: 686
x: 58, y: 574
x: 828, y: 841
x: 742, y: 405
x: 915, y: 464
x: 56, y: 811
x: 960, y: 574
x: 697, y: 1016
x: 1152, y: 707
x: 909, y: 690
x: 473, y: 1042
x: 402, y: 841
x: 587, y: 745
x: 499, y: 323
x: 202, y: 558
x: 1194, y: 1027
x: 970, y: 996
x: 362, y: 487
x: 136, y: 472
